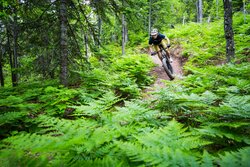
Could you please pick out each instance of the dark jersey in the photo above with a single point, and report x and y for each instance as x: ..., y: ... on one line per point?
x: 157, y: 40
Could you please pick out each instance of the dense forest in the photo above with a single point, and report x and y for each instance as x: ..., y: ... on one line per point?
x: 74, y: 76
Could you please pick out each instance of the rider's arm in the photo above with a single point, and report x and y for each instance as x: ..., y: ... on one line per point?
x: 167, y: 40
x: 151, y: 49
x: 150, y: 42
x: 165, y: 37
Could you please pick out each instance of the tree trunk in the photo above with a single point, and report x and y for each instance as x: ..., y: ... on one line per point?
x: 199, y: 11
x: 46, y: 57
x: 208, y: 19
x: 217, y: 9
x: 149, y: 16
x: 15, y: 48
x: 228, y: 29
x: 86, y: 41
x: 244, y: 10
x: 123, y: 34
x: 1, y: 58
x: 13, y: 76
x: 1, y: 68
x: 63, y: 43
x: 99, y: 30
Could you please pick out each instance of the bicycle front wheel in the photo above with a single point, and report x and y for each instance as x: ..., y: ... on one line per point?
x: 168, y: 68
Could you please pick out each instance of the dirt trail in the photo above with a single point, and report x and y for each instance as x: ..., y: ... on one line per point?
x: 161, y: 75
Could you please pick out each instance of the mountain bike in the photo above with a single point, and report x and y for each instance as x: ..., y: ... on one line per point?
x: 166, y: 62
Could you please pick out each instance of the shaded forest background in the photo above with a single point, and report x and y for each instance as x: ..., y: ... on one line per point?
x: 52, y: 39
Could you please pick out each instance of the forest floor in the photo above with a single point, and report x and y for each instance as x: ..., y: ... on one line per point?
x: 159, y: 73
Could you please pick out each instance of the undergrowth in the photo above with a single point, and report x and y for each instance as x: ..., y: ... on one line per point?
x: 202, y: 120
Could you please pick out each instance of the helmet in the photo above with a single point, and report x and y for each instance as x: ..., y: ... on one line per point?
x: 154, y: 32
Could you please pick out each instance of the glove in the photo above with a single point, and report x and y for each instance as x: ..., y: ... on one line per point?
x: 153, y: 53
x: 168, y: 45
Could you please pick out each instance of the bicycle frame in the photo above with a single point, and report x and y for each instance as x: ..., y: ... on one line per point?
x: 166, y: 63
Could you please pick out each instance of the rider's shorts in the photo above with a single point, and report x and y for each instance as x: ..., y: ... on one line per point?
x: 163, y: 43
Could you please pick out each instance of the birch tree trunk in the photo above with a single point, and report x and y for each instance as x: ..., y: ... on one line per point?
x: 149, y: 16
x: 217, y: 9
x: 199, y: 11
x: 244, y: 10
x: 228, y: 29
x: 63, y: 43
x: 208, y: 19
x: 124, y: 34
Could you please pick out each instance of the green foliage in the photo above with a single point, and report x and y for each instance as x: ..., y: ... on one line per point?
x: 213, y: 98
x: 234, y: 159
x: 10, y: 117
x: 202, y: 120
x: 136, y: 38
x: 204, y: 44
x: 208, y: 51
x: 137, y: 67
x: 125, y: 75
x: 167, y: 146
x: 216, y: 101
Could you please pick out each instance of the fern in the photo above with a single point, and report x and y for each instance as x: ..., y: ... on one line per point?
x: 167, y: 146
x: 101, y: 162
x: 207, y: 160
x: 11, y: 100
x: 136, y: 66
x: 20, y: 158
x: 57, y: 100
x: 235, y: 159
x: 234, y: 107
x: 173, y: 136
x: 134, y: 113
x: 157, y: 156
x: 11, y: 117
x: 96, y: 108
x: 226, y: 134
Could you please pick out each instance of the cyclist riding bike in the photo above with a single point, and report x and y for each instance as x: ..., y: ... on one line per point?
x: 157, y: 39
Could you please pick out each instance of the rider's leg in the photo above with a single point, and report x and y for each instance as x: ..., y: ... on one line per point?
x: 169, y: 55
x: 159, y: 55
x: 157, y: 49
x: 164, y: 44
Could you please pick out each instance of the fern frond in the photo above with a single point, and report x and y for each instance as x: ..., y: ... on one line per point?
x: 207, y: 160
x: 235, y: 159
x: 157, y: 156
x: 29, y: 142
x: 134, y: 113
x: 226, y: 130
x: 234, y: 107
x: 101, y: 162
x: 173, y: 136
x: 10, y: 117
x: 21, y: 158
x: 11, y: 100
x: 105, y: 103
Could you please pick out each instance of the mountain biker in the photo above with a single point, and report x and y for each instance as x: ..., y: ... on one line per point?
x: 157, y: 39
